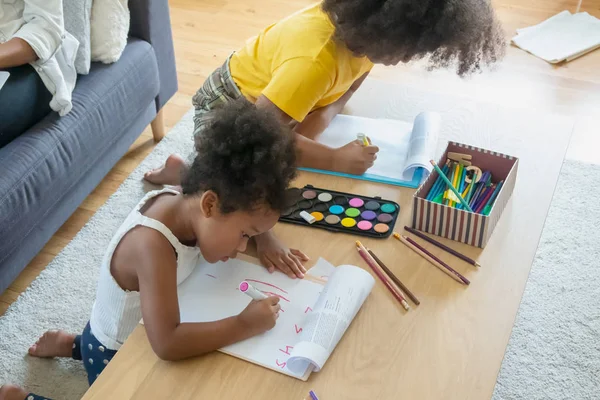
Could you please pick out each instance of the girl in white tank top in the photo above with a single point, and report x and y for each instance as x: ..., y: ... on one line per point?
x: 234, y: 190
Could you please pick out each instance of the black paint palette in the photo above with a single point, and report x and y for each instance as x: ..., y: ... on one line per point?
x: 341, y: 212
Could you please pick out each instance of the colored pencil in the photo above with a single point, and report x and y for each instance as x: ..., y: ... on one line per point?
x: 459, y: 183
x: 471, y: 186
x: 478, y: 189
x: 455, y: 182
x: 313, y: 395
x: 450, y: 178
x: 439, y: 184
x: 369, y: 255
x: 488, y: 195
x: 394, y: 278
x: 488, y: 206
x: 432, y: 259
x: 442, y: 187
x: 442, y: 246
x: 371, y: 263
x: 463, y: 202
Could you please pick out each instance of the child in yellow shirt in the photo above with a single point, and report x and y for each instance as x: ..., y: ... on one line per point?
x: 306, y: 67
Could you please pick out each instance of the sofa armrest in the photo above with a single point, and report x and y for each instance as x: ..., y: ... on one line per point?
x: 150, y: 22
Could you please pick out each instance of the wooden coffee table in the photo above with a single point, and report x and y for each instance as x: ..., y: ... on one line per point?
x: 449, y: 347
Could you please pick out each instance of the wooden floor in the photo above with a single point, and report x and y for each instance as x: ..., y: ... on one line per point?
x: 206, y: 31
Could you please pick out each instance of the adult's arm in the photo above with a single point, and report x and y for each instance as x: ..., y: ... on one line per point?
x: 16, y: 52
x: 43, y: 29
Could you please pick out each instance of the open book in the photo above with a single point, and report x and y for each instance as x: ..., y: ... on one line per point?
x: 315, y: 311
x: 404, y: 148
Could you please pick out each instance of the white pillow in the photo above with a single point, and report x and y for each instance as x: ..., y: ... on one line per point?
x: 109, y: 29
x: 77, y: 23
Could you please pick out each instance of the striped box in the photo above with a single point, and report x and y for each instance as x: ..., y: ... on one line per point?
x: 461, y: 225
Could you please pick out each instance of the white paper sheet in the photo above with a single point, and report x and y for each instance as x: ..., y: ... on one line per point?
x: 564, y: 36
x: 403, y: 147
x: 309, y: 325
x: 322, y: 269
x: 344, y: 294
x: 211, y: 293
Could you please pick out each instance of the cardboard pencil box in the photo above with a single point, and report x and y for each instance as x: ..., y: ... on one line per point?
x: 462, y: 225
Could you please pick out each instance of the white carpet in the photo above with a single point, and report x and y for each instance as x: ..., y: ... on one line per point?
x: 554, y: 350
x: 553, y: 353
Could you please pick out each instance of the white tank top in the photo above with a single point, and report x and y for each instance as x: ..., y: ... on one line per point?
x: 116, y: 312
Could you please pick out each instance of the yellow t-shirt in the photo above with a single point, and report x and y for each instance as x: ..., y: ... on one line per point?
x: 297, y: 64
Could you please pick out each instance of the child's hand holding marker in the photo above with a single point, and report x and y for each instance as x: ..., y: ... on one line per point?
x: 262, y: 313
x: 356, y: 157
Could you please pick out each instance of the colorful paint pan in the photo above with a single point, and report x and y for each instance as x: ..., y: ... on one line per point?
x: 381, y: 228
x: 352, y: 212
x: 309, y: 194
x: 288, y: 211
x: 385, y: 218
x: 364, y: 225
x: 318, y: 216
x: 356, y: 202
x: 336, y: 209
x: 320, y: 207
x: 372, y: 205
x: 388, y: 208
x: 348, y: 222
x: 304, y: 204
x: 325, y: 197
x: 341, y: 200
x: 368, y: 215
x: 332, y: 219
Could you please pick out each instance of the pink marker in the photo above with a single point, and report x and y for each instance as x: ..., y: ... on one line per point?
x: 251, y: 291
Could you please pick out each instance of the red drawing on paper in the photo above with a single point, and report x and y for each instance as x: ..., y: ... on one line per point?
x: 282, y: 310
x: 298, y: 330
x: 277, y: 295
x: 265, y: 283
x: 282, y: 365
x: 287, y: 350
x: 212, y: 276
x: 307, y: 310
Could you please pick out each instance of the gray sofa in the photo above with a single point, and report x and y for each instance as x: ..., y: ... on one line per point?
x: 48, y: 171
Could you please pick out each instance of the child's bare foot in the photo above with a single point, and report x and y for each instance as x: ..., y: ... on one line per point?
x: 168, y: 174
x: 12, y: 392
x: 53, y: 344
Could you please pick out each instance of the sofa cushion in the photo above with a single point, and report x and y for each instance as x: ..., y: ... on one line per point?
x: 45, y: 162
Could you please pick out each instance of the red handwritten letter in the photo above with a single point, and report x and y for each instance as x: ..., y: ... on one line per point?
x: 307, y: 310
x: 287, y: 350
x: 282, y: 365
x: 298, y: 330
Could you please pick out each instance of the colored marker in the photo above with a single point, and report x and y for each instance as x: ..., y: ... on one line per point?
x: 363, y: 138
x: 462, y: 201
x: 313, y: 395
x: 251, y: 291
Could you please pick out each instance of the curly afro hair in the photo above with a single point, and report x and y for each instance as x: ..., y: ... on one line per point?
x: 246, y: 156
x: 460, y: 33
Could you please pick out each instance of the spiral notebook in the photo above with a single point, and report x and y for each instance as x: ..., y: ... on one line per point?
x: 315, y: 311
x: 404, y: 148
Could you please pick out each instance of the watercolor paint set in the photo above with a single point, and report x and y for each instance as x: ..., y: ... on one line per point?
x: 341, y: 212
